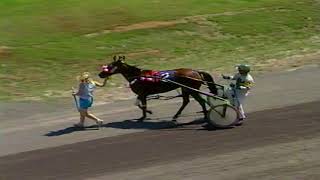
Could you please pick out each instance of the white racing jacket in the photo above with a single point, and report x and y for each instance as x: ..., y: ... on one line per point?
x: 243, y: 82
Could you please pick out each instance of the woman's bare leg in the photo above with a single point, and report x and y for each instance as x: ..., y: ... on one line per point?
x: 83, y: 113
x: 91, y: 116
x: 97, y: 120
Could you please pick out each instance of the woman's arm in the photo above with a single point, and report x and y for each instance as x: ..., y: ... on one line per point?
x: 101, y: 84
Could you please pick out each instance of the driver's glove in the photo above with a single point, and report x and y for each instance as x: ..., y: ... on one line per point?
x: 225, y: 77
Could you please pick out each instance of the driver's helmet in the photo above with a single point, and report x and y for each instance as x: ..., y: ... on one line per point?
x: 244, y: 68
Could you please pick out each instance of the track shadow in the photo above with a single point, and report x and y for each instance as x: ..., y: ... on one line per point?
x: 198, y: 124
x: 194, y: 122
x: 70, y: 130
x: 155, y: 125
x: 209, y: 127
x: 134, y: 124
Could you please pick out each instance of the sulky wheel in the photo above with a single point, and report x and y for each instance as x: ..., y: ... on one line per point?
x: 222, y: 116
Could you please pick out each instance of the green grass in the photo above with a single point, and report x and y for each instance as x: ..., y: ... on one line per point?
x: 48, y: 46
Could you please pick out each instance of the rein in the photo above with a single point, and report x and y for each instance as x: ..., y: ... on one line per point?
x: 160, y: 97
x: 203, y: 82
x: 196, y: 90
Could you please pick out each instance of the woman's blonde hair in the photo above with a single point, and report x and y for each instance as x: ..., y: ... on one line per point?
x: 85, y: 76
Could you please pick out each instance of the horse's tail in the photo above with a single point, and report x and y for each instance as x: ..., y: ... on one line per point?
x: 209, y: 81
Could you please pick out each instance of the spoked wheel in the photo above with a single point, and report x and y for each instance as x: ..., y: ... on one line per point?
x: 222, y: 116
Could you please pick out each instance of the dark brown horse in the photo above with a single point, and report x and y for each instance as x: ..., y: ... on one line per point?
x: 147, y: 82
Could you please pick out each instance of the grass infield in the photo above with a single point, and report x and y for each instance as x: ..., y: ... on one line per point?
x: 45, y: 44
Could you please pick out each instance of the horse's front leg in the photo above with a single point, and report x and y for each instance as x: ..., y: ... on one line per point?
x: 143, y: 107
x: 138, y: 103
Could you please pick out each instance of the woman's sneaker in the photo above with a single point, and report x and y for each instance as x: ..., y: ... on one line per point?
x: 100, y: 123
x: 79, y: 125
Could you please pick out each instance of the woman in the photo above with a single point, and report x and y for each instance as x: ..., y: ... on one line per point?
x: 85, y: 93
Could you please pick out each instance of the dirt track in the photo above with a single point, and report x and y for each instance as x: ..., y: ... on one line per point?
x: 280, y: 143
x: 142, y: 150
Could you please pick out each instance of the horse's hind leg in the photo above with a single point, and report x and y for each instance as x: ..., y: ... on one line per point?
x: 202, y: 103
x: 186, y: 100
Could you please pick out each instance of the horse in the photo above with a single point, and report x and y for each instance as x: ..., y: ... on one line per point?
x: 149, y: 82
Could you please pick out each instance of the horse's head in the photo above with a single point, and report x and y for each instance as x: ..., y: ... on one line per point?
x: 113, y: 68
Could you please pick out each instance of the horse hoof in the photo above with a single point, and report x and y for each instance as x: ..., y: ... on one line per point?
x: 141, y: 119
x: 175, y: 123
x: 175, y: 117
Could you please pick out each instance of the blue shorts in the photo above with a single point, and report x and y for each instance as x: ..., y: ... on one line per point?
x: 85, y: 103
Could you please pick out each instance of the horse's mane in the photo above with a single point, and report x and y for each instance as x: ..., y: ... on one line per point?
x: 133, y: 69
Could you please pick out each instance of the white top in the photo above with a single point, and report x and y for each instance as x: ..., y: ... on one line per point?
x: 86, y: 90
x: 243, y: 81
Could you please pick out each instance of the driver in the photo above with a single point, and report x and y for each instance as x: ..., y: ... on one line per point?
x: 241, y: 88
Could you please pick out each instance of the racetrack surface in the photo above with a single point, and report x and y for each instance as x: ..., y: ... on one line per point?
x: 280, y: 140
x: 151, y: 148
